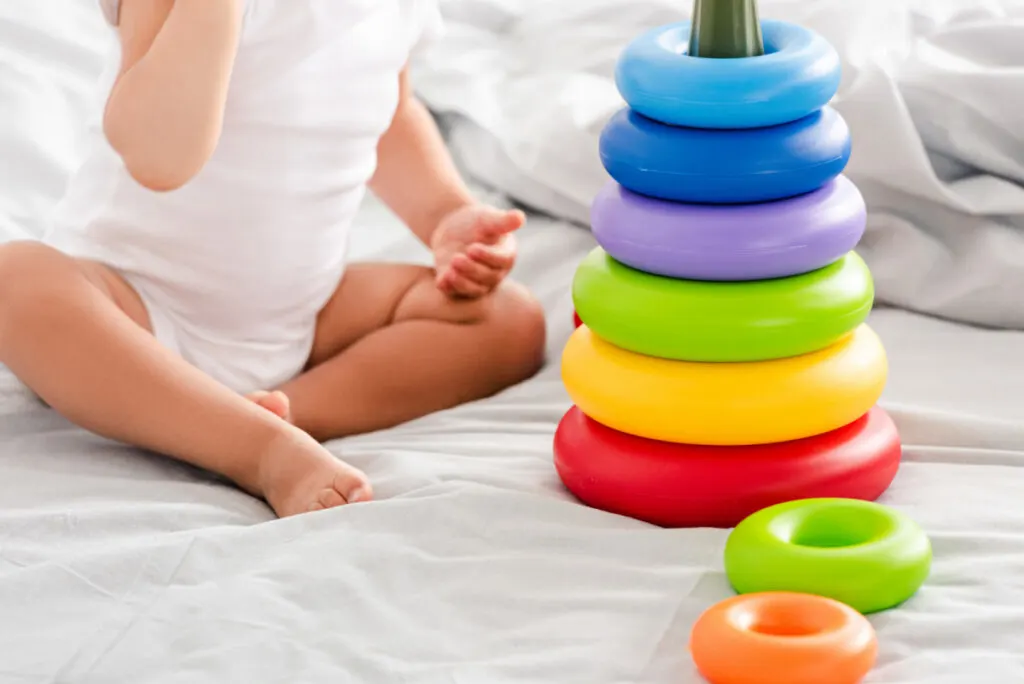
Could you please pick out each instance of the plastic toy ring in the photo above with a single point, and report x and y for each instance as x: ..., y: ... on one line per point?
x: 724, y: 167
x: 690, y: 320
x: 734, y: 242
x: 725, y: 403
x: 783, y: 637
x: 863, y: 554
x: 798, y: 74
x: 684, y: 485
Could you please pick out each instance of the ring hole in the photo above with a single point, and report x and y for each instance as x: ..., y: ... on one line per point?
x: 770, y: 48
x: 788, y: 617
x: 782, y: 629
x: 679, y: 43
x: 839, y: 526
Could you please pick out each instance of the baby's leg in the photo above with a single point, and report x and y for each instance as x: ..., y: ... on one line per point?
x: 76, y: 334
x: 390, y: 347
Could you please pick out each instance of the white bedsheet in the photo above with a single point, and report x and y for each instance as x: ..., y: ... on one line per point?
x: 474, y: 565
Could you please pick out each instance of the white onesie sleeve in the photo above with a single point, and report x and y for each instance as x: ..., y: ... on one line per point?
x: 111, y: 10
x: 430, y: 26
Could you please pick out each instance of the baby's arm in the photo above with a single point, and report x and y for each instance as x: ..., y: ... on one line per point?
x: 472, y: 243
x: 415, y: 175
x: 166, y: 108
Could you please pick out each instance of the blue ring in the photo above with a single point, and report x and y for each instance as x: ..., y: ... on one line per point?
x: 724, y: 166
x: 798, y: 74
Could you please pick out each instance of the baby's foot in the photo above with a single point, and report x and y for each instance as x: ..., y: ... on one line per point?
x: 297, y: 475
x: 275, y: 402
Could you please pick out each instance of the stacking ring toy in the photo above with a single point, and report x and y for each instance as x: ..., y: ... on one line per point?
x: 725, y: 403
x: 684, y: 485
x: 725, y: 167
x: 798, y: 74
x: 736, y: 242
x: 692, y: 320
x: 783, y: 637
x: 866, y: 555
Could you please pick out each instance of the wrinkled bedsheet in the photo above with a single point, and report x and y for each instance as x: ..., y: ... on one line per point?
x: 475, y: 565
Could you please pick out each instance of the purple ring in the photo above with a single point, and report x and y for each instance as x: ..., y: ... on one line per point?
x: 729, y: 242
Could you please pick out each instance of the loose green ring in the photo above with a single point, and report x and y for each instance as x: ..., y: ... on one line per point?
x: 860, y: 553
x: 690, y: 320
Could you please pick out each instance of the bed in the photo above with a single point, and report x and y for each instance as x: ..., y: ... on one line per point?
x: 474, y: 564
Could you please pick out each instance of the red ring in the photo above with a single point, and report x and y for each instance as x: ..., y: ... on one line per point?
x: 683, y: 485
x: 577, y: 322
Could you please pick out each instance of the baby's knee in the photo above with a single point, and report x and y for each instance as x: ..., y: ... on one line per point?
x: 518, y: 329
x: 511, y: 327
x: 509, y: 322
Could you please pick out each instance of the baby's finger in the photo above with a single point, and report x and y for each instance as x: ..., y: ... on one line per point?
x: 443, y: 279
x: 493, y: 225
x: 500, y: 257
x: 453, y: 284
x: 462, y: 286
x: 476, y: 271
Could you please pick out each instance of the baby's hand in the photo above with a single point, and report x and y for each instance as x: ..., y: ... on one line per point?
x: 474, y: 249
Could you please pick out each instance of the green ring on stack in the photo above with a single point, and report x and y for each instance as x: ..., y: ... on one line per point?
x: 860, y: 553
x: 690, y: 320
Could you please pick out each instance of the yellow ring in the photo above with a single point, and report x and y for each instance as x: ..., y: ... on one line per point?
x: 762, y: 402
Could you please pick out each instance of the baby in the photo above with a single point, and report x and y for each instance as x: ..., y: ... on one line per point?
x: 193, y: 296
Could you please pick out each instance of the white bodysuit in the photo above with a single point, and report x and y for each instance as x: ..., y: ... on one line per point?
x: 234, y: 266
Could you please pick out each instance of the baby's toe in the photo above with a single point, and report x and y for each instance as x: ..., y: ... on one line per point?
x: 352, y: 485
x: 276, y: 402
x: 348, y: 486
x: 330, y: 498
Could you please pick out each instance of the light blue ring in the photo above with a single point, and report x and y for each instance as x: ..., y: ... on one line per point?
x: 798, y: 74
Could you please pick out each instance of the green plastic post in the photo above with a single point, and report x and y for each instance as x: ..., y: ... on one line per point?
x: 725, y: 28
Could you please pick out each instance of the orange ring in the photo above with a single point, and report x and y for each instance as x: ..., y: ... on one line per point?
x: 783, y: 637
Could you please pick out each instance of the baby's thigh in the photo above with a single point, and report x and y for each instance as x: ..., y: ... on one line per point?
x: 31, y: 272
x: 118, y: 290
x: 374, y: 295
x: 35, y: 276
